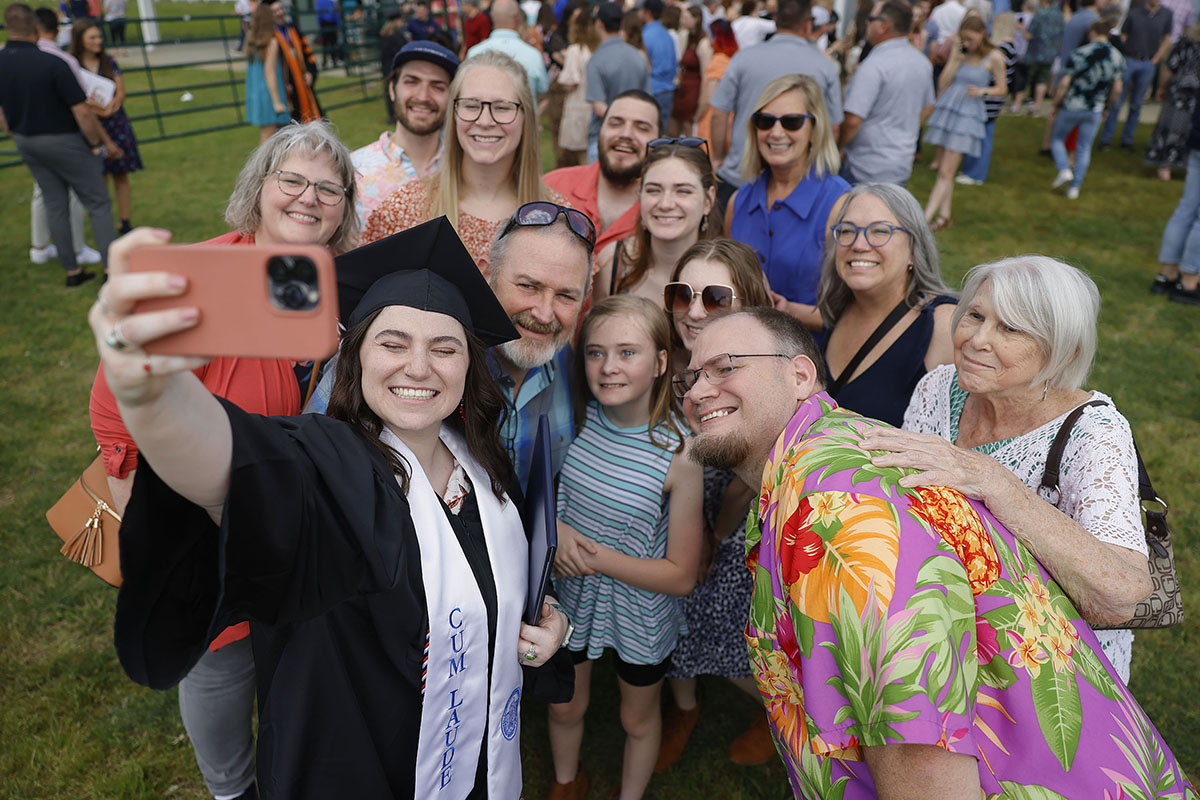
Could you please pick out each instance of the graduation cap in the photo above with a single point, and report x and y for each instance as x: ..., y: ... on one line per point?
x: 425, y: 267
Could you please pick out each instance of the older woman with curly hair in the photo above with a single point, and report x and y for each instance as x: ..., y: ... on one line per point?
x: 1024, y: 340
x: 296, y: 188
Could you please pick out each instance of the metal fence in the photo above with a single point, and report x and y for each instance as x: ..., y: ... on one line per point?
x: 189, y: 85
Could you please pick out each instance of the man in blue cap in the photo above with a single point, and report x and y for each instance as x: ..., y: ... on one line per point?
x: 418, y: 88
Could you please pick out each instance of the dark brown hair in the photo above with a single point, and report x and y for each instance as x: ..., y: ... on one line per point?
x: 482, y: 406
x: 82, y: 26
x: 637, y: 255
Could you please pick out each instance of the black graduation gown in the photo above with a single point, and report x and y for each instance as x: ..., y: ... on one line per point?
x: 318, y: 550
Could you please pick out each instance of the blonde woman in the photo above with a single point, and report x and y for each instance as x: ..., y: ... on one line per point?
x: 577, y: 111
x: 791, y: 191
x: 490, y: 166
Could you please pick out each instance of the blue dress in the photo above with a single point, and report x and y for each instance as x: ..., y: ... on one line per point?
x: 959, y: 121
x: 120, y: 130
x: 259, y: 110
x: 789, y: 237
x: 882, y: 390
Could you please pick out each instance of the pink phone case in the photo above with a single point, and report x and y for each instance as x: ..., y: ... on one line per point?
x: 230, y: 286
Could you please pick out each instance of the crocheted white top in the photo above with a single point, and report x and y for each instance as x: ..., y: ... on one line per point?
x: 1098, y: 477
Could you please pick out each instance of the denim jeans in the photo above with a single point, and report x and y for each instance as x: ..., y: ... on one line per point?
x: 1064, y: 121
x: 1181, y: 237
x: 977, y: 166
x: 665, y: 100
x: 1138, y: 74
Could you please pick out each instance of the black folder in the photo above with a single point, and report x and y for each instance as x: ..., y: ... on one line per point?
x: 541, y: 522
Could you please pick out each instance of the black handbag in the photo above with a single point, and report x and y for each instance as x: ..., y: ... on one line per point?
x: 1164, y: 607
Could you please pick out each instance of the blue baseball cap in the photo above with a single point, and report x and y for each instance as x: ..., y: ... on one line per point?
x: 432, y: 52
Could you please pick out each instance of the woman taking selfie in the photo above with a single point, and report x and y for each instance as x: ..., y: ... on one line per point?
x: 358, y: 544
x: 289, y: 192
x: 490, y: 166
x: 792, y: 189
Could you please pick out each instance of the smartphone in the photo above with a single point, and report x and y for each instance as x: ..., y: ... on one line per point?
x: 277, y: 301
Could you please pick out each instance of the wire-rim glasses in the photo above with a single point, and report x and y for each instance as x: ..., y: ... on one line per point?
x: 469, y: 109
x: 878, y: 233
x: 294, y: 184
x: 717, y: 370
x: 716, y: 297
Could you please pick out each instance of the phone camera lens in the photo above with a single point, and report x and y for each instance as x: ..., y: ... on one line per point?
x: 293, y: 283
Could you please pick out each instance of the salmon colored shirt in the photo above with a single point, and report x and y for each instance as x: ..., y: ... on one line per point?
x: 260, y: 386
x: 580, y: 185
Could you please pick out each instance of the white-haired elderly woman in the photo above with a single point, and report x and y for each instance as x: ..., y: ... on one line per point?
x: 1024, y: 340
x: 880, y: 271
x: 296, y: 188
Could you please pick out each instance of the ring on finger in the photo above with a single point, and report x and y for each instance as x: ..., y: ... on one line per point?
x: 531, y: 653
x: 115, y: 338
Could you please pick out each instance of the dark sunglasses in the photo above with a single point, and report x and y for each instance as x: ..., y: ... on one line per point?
x: 682, y: 141
x: 542, y: 212
x: 678, y: 296
x: 790, y: 122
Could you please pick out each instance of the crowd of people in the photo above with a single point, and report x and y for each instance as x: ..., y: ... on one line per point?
x: 787, y: 453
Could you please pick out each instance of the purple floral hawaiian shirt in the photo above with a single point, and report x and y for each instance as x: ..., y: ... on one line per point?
x: 886, y: 615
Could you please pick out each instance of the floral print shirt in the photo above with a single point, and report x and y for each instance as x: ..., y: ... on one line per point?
x: 885, y: 615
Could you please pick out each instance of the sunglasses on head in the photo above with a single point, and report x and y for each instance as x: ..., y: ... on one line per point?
x: 790, y: 122
x: 542, y: 212
x: 682, y: 141
x: 716, y: 298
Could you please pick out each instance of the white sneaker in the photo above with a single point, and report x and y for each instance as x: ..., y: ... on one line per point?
x: 40, y: 255
x: 963, y: 179
x: 1064, y: 175
x: 1072, y: 192
x: 88, y: 256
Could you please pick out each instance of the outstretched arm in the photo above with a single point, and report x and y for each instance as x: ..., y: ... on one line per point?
x: 179, y: 426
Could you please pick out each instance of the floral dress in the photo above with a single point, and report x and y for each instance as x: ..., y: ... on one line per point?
x: 884, y: 615
x: 1168, y: 144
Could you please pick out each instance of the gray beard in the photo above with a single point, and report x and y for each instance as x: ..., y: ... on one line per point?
x: 720, y: 452
x: 524, y: 355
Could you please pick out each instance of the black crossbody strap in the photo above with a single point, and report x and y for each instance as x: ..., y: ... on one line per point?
x: 882, y: 330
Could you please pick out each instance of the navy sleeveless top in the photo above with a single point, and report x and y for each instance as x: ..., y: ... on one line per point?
x: 883, y: 390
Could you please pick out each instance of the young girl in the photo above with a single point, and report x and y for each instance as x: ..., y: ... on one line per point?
x: 629, y: 508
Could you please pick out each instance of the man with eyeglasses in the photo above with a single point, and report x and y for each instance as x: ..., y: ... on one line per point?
x: 540, y: 268
x: 887, y: 101
x: 905, y: 643
x: 418, y: 87
x: 607, y: 189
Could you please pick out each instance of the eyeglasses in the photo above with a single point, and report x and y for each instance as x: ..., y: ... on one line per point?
x: 468, y: 109
x: 295, y: 184
x: 717, y: 369
x: 790, y: 122
x: 678, y: 297
x: 541, y: 213
x: 874, y: 19
x: 878, y: 233
x: 682, y: 141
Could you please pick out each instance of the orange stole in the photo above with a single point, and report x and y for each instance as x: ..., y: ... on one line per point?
x: 295, y: 51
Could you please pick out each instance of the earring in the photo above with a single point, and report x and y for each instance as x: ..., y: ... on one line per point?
x: 462, y: 413
x: 704, y: 223
x: 1045, y: 391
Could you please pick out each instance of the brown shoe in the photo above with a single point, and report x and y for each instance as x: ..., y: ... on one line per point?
x: 574, y: 790
x: 676, y: 730
x: 755, y: 745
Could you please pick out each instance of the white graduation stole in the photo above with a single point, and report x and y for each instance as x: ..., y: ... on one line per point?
x: 456, y: 686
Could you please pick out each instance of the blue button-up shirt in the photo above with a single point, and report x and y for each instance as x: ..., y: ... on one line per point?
x: 545, y: 390
x: 789, y: 237
x: 660, y: 47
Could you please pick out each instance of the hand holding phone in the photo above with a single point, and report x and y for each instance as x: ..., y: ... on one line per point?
x: 277, y: 301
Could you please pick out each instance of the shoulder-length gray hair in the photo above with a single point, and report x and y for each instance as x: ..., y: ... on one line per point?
x: 924, y: 280
x: 244, y: 211
x: 1053, y: 302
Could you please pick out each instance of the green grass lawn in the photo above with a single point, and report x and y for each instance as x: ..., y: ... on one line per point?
x: 73, y: 726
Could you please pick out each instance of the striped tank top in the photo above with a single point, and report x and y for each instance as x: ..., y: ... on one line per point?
x: 611, y: 490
